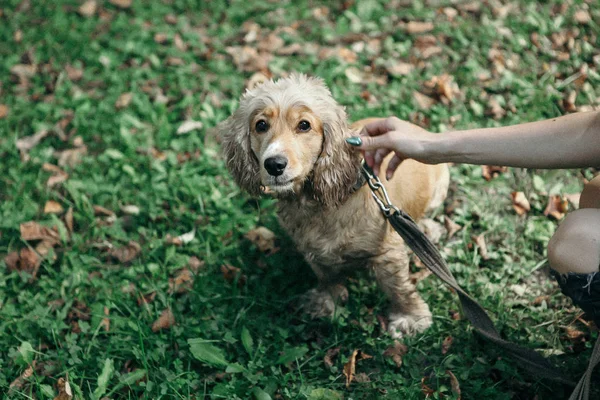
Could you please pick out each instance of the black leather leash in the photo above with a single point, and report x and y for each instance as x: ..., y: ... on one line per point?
x: 429, y: 255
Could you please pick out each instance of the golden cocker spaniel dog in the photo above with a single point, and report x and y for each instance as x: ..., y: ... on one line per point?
x: 288, y: 136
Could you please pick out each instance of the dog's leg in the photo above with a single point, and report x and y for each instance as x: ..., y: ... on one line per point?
x: 321, y: 301
x: 409, y: 313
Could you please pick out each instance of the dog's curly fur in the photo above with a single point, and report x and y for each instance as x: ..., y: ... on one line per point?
x: 337, y: 226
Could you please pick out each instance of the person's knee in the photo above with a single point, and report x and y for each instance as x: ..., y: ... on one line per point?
x: 575, y: 246
x: 590, y: 197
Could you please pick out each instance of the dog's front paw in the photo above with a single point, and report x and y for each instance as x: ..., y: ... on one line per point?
x: 401, y: 324
x: 318, y: 304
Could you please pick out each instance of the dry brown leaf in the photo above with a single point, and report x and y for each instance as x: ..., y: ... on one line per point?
x: 24, y: 71
x: 557, y: 207
x: 171, y: 19
x: 444, y: 87
x: 423, y: 101
x: 396, y: 352
x: 495, y: 109
x: 69, y: 220
x: 451, y: 226
x: 161, y: 38
x: 121, y: 3
x: 446, y: 344
x: 124, y: 100
x: 18, y: 36
x: 270, y: 43
x: 56, y: 179
x: 398, y: 68
x: 294, y: 48
x: 29, y: 142
x: 350, y: 368
x: 64, y: 390
x: 541, y: 299
x: 330, y: 355
x: 165, y: 321
x: 105, y: 323
x: 454, y: 385
x: 195, y: 264
x: 582, y: 17
x: 427, y: 46
x: 182, y: 281
x: 73, y: 73
x: 568, y: 102
x: 362, y: 378
x: 426, y: 390
x: 248, y: 59
x: 263, y: 239
x: 88, y: 8
x: 488, y: 172
x: 414, y: 27
x: 181, y: 239
x: 53, y: 207
x: 179, y: 43
x: 32, y: 230
x: 258, y: 78
x: 520, y: 203
x: 481, y: 246
x: 3, y: 111
x: 146, y: 299
x: 71, y: 157
x: 22, y: 379
x: 230, y: 273
x: 188, y: 126
x: 574, y: 335
x: 100, y: 211
x: 127, y: 253
x: 25, y: 260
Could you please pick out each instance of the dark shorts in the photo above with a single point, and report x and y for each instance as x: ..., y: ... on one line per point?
x: 584, y: 290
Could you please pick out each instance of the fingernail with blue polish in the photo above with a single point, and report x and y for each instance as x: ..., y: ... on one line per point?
x: 354, y: 141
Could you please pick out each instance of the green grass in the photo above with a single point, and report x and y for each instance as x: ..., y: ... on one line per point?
x: 249, y: 340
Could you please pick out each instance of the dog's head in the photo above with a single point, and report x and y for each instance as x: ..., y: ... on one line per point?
x: 289, y: 136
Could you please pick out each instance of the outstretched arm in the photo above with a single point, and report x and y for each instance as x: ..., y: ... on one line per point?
x: 572, y: 141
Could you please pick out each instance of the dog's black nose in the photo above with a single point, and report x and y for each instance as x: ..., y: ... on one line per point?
x: 275, y: 165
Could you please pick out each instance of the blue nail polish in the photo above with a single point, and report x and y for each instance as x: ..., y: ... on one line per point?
x: 354, y: 141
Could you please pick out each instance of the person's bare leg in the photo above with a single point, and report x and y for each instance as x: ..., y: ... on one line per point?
x: 575, y: 246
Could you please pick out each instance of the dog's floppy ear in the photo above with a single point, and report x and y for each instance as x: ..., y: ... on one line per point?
x: 241, y: 162
x: 336, y: 171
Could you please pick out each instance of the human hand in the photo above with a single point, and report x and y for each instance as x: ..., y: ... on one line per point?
x: 406, y: 140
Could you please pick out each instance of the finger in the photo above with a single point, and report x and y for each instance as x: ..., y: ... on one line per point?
x: 378, y: 159
x: 369, y: 158
x: 375, y: 142
x: 378, y: 127
x: 392, y: 166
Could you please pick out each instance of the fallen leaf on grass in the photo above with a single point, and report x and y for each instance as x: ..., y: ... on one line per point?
x: 179, y: 43
x: 263, y: 239
x: 52, y: 207
x: 165, y: 321
x: 451, y: 226
x: 350, y: 368
x: 419, y: 276
x: 69, y: 220
x: 127, y: 253
x: 557, y: 207
x: 427, y: 46
x: 103, y: 212
x: 105, y: 323
x: 582, y: 17
x: 26, y: 260
x: 446, y: 344
x: 454, y: 385
x: 330, y: 355
x: 64, y: 390
x: 161, y: 38
x: 88, y: 8
x: 184, y: 278
x: 426, y: 390
x: 574, y: 335
x: 398, y: 68
x: 34, y: 231
x: 130, y: 209
x: 444, y: 87
x: 540, y: 300
x: 258, y: 78
x: 520, y: 203
x: 29, y: 142
x: 124, y: 100
x: 189, y: 126
x: 396, y: 352
x: 124, y: 4
x: 248, y: 59
x: 568, y: 102
x: 146, y: 299
x: 58, y: 175
x: 71, y: 157
x: 181, y: 239
x: 495, y: 109
x: 481, y: 246
x: 24, y: 71
x: 22, y: 379
x: 423, y: 101
x: 3, y: 111
x: 488, y: 172
x: 414, y: 27
x: 230, y: 273
x: 73, y: 73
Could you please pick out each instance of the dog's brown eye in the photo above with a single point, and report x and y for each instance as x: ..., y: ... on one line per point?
x: 304, y: 126
x: 261, y: 126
